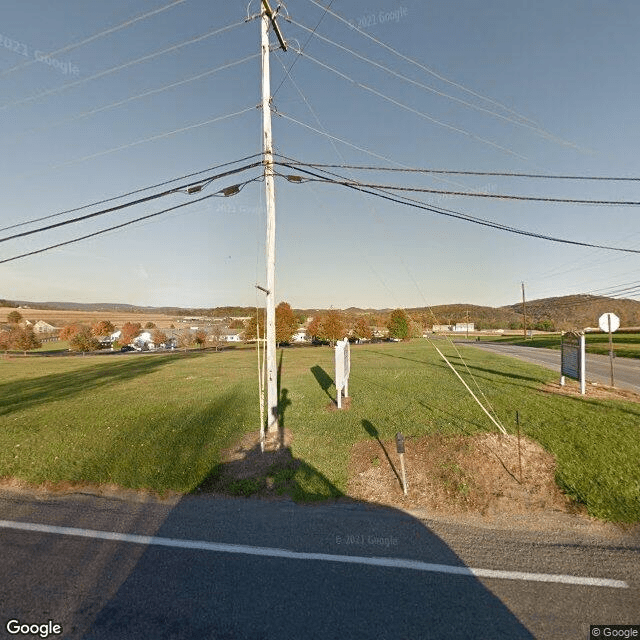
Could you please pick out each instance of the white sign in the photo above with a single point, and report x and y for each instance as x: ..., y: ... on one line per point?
x: 343, y: 367
x: 572, y: 359
x: 605, y: 319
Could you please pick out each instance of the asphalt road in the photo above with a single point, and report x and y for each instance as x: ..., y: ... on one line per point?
x: 597, y: 369
x: 206, y: 567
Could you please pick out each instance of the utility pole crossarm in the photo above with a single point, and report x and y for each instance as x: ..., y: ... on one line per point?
x: 272, y: 18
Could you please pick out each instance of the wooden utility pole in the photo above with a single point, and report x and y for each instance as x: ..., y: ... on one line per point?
x: 524, y: 313
x: 269, y: 19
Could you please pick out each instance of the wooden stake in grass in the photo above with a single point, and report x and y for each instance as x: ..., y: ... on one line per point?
x: 519, y: 455
x: 400, y: 448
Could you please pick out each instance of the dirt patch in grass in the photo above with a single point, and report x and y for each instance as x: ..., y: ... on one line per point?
x: 592, y: 391
x: 247, y: 470
x: 448, y: 475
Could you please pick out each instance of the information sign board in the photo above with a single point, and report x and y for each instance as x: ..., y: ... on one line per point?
x: 572, y: 359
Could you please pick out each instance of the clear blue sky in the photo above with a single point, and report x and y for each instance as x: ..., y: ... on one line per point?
x: 570, y: 67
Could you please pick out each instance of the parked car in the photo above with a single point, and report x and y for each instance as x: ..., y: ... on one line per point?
x: 127, y: 347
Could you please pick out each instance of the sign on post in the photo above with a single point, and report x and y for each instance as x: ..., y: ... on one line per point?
x: 609, y: 322
x: 343, y: 367
x: 572, y: 360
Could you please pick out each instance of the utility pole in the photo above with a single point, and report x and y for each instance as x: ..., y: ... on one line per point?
x: 524, y: 313
x: 269, y: 18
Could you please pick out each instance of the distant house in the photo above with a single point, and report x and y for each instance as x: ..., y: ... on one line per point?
x: 442, y: 328
x: 230, y: 336
x: 301, y: 336
x: 463, y: 327
x: 143, y: 342
x: 44, y: 327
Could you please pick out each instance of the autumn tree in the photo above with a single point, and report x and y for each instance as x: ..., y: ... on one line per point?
x: 286, y: 323
x: 102, y: 328
x: 24, y: 340
x: 5, y: 340
x: 236, y: 324
x: 185, y: 338
x: 329, y: 326
x: 250, y: 332
x: 200, y: 338
x: 398, y: 324
x: 14, y: 317
x: 158, y: 337
x: 84, y: 340
x: 150, y: 325
x: 361, y: 329
x: 68, y: 331
x: 129, y: 331
x: 216, y: 336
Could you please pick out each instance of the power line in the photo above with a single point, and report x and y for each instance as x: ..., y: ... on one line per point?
x: 422, y: 114
x: 144, y: 94
x: 471, y: 173
x: 119, y: 67
x: 126, y: 205
x: 75, y: 45
x: 143, y: 141
x: 442, y: 94
x: 420, y: 65
x: 120, y: 226
x: 304, y: 46
x: 130, y: 193
x: 331, y: 137
x: 381, y: 193
x: 476, y: 194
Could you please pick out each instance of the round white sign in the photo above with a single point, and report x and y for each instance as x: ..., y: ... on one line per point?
x: 607, y: 318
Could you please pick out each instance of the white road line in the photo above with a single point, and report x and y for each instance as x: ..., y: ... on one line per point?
x: 397, y: 563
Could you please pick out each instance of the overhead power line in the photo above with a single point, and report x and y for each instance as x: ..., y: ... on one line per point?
x: 119, y: 67
x: 424, y: 67
x: 144, y: 94
x: 132, y: 203
x: 418, y: 204
x: 75, y: 45
x: 130, y: 193
x: 235, y: 190
x: 135, y: 143
x: 417, y: 112
x: 474, y: 194
x: 466, y: 103
x: 469, y: 173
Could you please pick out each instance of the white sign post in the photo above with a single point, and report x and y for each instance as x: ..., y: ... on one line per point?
x: 343, y: 367
x: 609, y: 322
x: 572, y: 359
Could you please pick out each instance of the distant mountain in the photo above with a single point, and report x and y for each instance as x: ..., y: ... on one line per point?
x: 561, y: 313
x: 580, y: 311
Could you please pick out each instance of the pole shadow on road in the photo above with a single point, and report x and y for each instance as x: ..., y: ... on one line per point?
x: 248, y: 589
x: 185, y: 594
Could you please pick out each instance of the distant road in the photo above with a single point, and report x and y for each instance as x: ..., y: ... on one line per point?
x: 626, y: 370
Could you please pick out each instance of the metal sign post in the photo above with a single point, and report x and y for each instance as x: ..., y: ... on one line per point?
x: 400, y: 449
x: 609, y: 322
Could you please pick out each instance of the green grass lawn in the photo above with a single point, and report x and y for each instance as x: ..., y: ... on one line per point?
x: 625, y: 345
x: 160, y: 421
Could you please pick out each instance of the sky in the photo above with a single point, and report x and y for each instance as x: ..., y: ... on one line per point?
x: 134, y: 94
